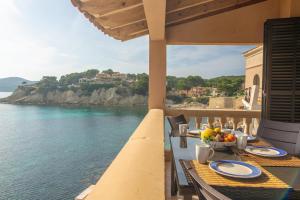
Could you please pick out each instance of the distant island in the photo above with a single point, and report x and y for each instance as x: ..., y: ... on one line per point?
x: 114, y: 88
x: 10, y: 84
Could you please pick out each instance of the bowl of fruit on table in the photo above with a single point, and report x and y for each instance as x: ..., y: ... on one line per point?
x: 217, y: 138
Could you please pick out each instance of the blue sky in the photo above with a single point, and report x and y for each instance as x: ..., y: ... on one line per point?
x: 51, y: 37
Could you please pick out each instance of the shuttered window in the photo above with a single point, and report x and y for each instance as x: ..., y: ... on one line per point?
x: 281, y: 99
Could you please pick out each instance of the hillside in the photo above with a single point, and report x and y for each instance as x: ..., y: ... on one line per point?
x: 92, y: 87
x: 11, y: 83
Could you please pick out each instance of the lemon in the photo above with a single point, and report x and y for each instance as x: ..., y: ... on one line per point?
x: 217, y: 130
x: 206, y: 134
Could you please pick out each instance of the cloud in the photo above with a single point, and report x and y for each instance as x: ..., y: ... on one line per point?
x: 206, y: 61
x: 36, y: 41
x: 8, y: 9
x: 24, y: 54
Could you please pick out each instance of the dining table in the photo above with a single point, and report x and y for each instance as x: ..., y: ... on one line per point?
x: 183, y: 148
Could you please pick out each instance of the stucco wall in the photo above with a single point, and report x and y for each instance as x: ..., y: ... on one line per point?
x: 225, y: 102
x: 253, y: 66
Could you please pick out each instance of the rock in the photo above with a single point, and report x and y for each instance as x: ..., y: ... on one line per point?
x: 97, y: 97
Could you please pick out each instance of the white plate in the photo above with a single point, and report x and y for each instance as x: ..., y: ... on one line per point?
x: 195, y: 131
x: 265, y: 151
x: 236, y: 169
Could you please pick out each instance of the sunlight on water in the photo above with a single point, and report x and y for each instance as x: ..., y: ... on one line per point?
x: 55, y: 153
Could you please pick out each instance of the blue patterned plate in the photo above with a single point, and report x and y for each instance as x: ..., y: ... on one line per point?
x: 266, y: 151
x: 235, y: 169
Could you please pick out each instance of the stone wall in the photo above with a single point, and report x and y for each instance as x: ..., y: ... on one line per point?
x: 225, y: 102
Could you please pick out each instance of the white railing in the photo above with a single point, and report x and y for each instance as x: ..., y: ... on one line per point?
x: 232, y: 117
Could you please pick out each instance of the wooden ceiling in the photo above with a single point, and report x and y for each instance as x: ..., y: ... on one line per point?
x: 125, y: 19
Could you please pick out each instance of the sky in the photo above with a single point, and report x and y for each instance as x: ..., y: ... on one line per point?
x: 51, y: 37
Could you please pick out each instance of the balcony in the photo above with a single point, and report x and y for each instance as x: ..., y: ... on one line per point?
x: 142, y: 168
x: 140, y: 171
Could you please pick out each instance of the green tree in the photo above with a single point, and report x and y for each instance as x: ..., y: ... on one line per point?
x: 230, y: 85
x: 70, y: 79
x: 91, y: 73
x: 108, y: 71
x: 73, y: 78
x: 182, y: 84
x: 48, y: 83
x: 171, y: 82
x: 193, y: 81
x: 141, y: 84
x: 131, y: 76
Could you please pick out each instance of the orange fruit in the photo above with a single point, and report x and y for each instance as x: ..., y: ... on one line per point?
x: 230, y: 137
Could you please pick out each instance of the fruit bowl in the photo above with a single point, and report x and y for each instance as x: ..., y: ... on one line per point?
x: 217, y: 138
x: 221, y: 145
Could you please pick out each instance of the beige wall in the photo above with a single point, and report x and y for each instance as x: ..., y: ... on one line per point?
x: 253, y: 66
x: 225, y: 102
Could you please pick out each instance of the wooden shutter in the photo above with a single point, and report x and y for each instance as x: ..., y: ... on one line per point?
x: 281, y: 68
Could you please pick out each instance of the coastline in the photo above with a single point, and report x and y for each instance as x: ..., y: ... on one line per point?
x: 98, y: 98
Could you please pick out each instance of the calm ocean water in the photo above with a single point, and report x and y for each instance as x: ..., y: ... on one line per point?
x: 54, y: 152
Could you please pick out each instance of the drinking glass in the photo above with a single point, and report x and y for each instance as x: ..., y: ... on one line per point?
x: 241, y: 141
x: 183, y: 129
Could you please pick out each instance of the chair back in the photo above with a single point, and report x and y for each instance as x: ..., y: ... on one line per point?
x: 175, y: 121
x: 203, y: 190
x: 281, y: 134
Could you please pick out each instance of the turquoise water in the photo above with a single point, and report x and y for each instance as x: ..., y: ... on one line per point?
x: 54, y: 152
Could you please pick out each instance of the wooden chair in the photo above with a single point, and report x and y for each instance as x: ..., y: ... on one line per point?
x: 281, y: 134
x: 175, y: 121
x: 203, y: 190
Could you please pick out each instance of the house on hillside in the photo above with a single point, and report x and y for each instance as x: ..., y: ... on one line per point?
x: 108, y: 78
x: 118, y: 75
x: 198, y: 91
x: 85, y: 80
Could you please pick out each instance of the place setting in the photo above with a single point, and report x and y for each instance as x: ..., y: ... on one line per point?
x: 263, y: 153
x: 229, y: 168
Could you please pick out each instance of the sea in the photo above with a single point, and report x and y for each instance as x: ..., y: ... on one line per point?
x: 54, y: 153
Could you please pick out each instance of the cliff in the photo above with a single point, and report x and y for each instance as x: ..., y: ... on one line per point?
x: 27, y: 95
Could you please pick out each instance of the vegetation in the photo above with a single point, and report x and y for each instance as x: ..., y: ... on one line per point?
x: 184, y: 83
x: 47, y: 84
x: 230, y: 85
x: 73, y: 78
x: 138, y: 84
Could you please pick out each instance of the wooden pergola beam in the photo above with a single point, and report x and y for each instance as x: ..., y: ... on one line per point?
x: 178, y: 11
x: 129, y: 30
x: 177, y: 5
x: 122, y: 18
x: 155, y: 11
x: 206, y: 10
x: 101, y: 8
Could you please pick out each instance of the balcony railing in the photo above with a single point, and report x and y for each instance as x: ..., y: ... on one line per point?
x: 230, y: 117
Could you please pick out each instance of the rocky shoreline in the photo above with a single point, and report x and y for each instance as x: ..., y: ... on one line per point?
x: 100, y: 97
